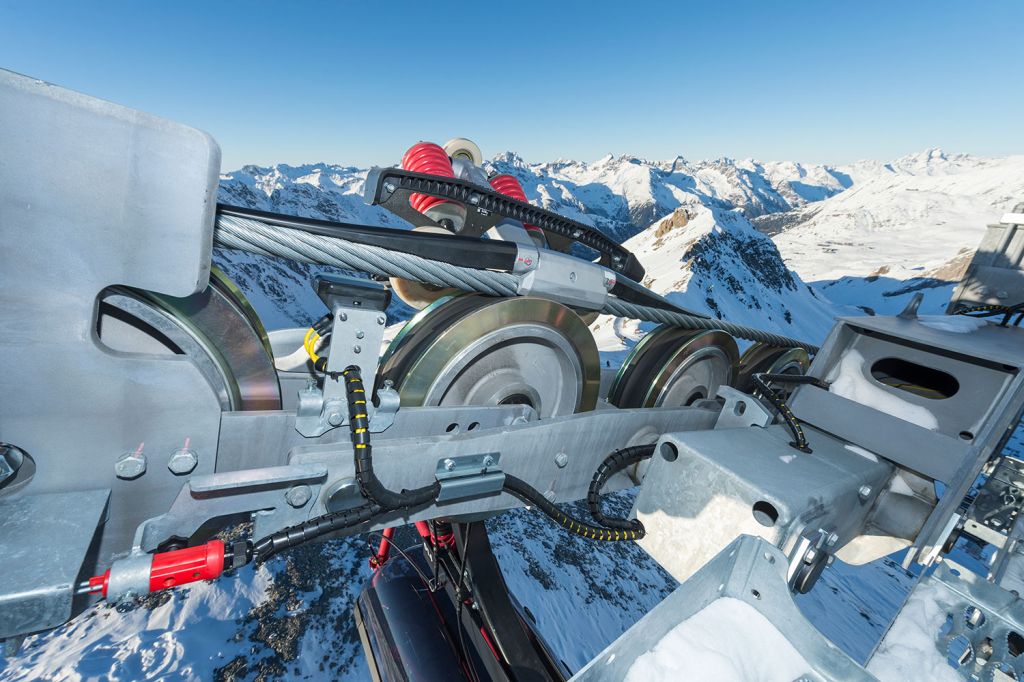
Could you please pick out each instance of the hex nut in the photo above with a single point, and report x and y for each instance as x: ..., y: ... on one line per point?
x: 183, y: 462
x: 561, y: 459
x: 130, y: 466
x: 297, y: 496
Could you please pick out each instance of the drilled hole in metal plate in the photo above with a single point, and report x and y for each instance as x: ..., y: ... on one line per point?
x: 473, y: 426
x: 739, y: 408
x: 669, y: 452
x: 757, y: 595
x: 967, y: 435
x: 1014, y: 643
x: 452, y: 428
x: 926, y: 382
x: 765, y: 513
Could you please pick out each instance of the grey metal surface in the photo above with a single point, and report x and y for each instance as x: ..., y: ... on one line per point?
x: 741, y: 410
x: 972, y: 424
x: 129, y: 577
x: 469, y: 476
x: 704, y: 488
x: 137, y: 211
x: 751, y: 570
x: 996, y: 273
x: 264, y: 439
x: 357, y: 329
x: 567, y: 279
x: 43, y: 543
x: 221, y: 495
x: 976, y: 627
x: 528, y: 450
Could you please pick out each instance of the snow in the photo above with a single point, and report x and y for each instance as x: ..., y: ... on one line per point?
x: 847, y: 380
x: 728, y: 641
x: 908, y: 651
x: 957, y: 324
x: 904, y: 218
x: 866, y: 454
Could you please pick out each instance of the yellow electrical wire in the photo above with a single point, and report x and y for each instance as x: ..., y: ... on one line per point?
x: 309, y: 343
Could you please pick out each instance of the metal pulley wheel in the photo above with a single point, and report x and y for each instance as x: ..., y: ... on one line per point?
x: 771, y: 360
x: 216, y: 329
x: 673, y: 367
x: 477, y: 350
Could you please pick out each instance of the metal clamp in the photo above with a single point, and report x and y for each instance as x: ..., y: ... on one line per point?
x: 357, y: 329
x: 469, y: 476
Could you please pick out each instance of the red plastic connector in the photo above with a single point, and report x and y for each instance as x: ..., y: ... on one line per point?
x: 170, y: 569
x: 182, y: 566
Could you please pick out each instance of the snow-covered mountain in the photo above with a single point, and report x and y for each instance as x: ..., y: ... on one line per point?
x: 622, y: 196
x: 902, y: 218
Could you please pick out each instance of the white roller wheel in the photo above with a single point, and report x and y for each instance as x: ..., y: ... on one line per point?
x: 461, y: 148
x: 416, y: 294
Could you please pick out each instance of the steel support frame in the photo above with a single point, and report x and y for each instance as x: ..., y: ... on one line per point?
x: 557, y: 456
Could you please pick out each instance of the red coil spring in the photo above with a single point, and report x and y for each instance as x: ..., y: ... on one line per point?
x: 510, y: 187
x: 427, y: 157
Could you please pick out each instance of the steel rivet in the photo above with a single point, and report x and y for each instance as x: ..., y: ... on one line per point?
x: 360, y: 334
x: 357, y: 349
x: 298, y: 496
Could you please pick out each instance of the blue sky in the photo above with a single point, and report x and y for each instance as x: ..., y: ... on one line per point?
x: 357, y: 83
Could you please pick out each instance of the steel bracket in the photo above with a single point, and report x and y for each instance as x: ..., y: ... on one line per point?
x: 469, y: 476
x: 357, y: 329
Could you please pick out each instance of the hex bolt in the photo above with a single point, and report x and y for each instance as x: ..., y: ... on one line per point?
x: 335, y: 417
x: 549, y: 495
x: 183, y: 461
x: 357, y: 349
x: 488, y: 461
x: 389, y: 187
x: 297, y: 496
x: 810, y: 555
x: 360, y: 334
x: 311, y: 384
x: 131, y: 465
x: 833, y: 538
x: 864, y: 492
x: 449, y: 464
x: 381, y: 319
x: 561, y: 459
x: 389, y: 384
